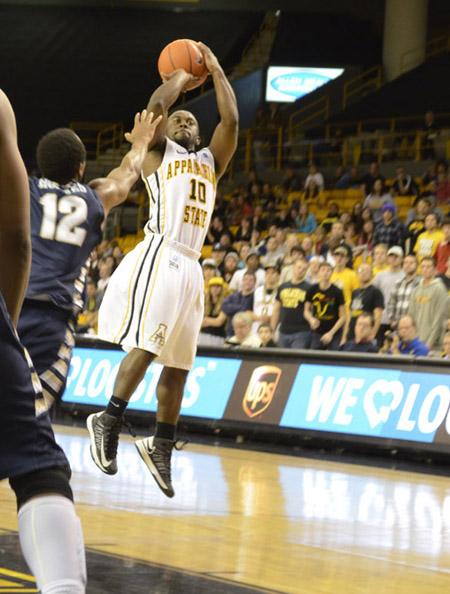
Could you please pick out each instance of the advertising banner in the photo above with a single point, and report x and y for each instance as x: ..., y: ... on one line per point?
x: 287, y: 84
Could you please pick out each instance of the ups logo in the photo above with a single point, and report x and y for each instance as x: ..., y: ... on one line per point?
x: 261, y: 390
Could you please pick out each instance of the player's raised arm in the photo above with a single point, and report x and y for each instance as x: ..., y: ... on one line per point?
x: 114, y: 188
x: 164, y: 97
x: 224, y: 140
x: 15, y: 241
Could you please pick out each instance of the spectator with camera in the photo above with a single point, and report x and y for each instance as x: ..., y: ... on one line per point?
x: 405, y: 341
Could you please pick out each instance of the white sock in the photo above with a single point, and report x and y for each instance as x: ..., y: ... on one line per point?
x: 51, y: 539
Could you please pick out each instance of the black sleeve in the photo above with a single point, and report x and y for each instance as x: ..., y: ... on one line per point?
x: 309, y: 294
x: 339, y: 297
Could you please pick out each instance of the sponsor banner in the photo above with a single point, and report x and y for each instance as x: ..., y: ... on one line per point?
x: 260, y: 392
x: 93, y: 372
x: 386, y: 403
x: 287, y: 84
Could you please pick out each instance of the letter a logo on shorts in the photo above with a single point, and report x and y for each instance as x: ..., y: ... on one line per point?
x: 159, y: 336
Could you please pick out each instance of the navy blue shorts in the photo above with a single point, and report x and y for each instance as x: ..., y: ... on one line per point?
x: 27, y: 442
x: 47, y: 332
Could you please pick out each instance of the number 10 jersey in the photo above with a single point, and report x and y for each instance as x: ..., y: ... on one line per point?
x: 182, y: 193
x: 65, y: 227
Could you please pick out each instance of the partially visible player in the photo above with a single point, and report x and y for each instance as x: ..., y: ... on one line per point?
x: 153, y: 305
x: 49, y: 529
x: 66, y: 224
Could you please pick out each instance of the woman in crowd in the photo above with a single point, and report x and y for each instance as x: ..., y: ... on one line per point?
x: 214, y: 320
x: 306, y: 221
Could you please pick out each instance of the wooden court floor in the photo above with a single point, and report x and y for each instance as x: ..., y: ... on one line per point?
x: 245, y: 521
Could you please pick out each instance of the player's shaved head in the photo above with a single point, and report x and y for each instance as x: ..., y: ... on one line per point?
x: 59, y: 155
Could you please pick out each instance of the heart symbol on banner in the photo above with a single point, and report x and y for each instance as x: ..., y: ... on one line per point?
x: 391, y: 394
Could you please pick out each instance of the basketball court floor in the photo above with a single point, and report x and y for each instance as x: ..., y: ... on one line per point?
x: 246, y: 522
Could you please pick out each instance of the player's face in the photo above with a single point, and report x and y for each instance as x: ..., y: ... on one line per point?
x: 182, y: 127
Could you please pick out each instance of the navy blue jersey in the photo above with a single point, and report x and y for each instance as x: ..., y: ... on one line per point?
x: 65, y: 227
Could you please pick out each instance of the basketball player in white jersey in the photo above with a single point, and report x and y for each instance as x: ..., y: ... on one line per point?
x: 153, y: 305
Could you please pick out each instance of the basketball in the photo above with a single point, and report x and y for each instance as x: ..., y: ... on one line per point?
x: 185, y: 54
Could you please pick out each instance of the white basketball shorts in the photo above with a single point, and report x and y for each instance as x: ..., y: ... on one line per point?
x: 154, y: 301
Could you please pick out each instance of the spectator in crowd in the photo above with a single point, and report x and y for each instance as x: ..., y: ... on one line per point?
x: 244, y: 251
x: 368, y: 180
x: 306, y: 221
x: 349, y: 179
x: 377, y: 198
x: 430, y: 133
x: 320, y: 236
x: 366, y: 238
x: 343, y: 277
x: 105, y: 269
x: 215, y: 231
x: 333, y: 215
x: 218, y: 255
x: 288, y: 311
x: 428, y: 306
x: 259, y: 220
x: 209, y: 271
x: 265, y: 296
x: 446, y: 346
x: 443, y: 249
x: 335, y: 239
x: 325, y: 311
x: 312, y: 191
x: 428, y: 241
x: 230, y: 265
x: 118, y: 255
x: 87, y: 320
x: 241, y: 300
x: 312, y: 276
x: 307, y: 246
x: 356, y: 216
x: 242, y: 327
x: 415, y: 223
x: 244, y: 233
x: 405, y: 341
x: 445, y: 277
x: 273, y: 254
x: 214, y: 319
x: 398, y: 304
x: 297, y: 253
x: 389, y: 230
x: 363, y: 340
x: 404, y: 185
x: 252, y: 265
x: 265, y: 335
x: 291, y: 181
x: 315, y: 178
x: 365, y: 299
x: 386, y: 281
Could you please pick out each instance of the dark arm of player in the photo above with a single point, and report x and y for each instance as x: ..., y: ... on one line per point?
x: 15, y: 239
x: 224, y: 140
x: 114, y: 188
x: 164, y: 97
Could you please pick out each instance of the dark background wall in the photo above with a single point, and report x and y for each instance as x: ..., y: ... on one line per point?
x: 60, y: 64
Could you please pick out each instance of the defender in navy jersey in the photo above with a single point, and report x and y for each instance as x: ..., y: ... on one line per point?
x: 153, y: 305
x: 66, y: 224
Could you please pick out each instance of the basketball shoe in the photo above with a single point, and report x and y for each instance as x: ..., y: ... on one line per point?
x: 156, y: 454
x: 104, y: 432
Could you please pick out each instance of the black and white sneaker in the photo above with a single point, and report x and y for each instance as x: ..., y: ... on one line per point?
x: 104, y: 432
x: 156, y: 455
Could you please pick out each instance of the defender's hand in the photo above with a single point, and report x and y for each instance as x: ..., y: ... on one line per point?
x: 144, y: 128
x: 187, y: 77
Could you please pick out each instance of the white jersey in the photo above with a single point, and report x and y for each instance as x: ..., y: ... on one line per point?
x: 182, y: 192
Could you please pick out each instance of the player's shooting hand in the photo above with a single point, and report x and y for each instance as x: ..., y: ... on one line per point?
x: 144, y: 128
x: 211, y: 62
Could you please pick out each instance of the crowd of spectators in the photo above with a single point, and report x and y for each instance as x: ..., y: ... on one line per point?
x: 357, y: 279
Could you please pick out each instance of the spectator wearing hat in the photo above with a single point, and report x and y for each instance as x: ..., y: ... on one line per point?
x: 366, y: 299
x: 288, y: 311
x: 428, y: 241
x: 398, y: 304
x: 428, y: 306
x: 214, y: 319
x: 386, y: 281
x: 265, y: 296
x: 363, y: 340
x: 252, y: 264
x: 343, y: 277
x: 218, y: 255
x: 240, y: 300
x: 265, y: 334
x: 389, y: 230
x: 443, y: 250
x: 209, y: 270
x: 325, y: 311
x: 230, y: 265
x: 242, y: 332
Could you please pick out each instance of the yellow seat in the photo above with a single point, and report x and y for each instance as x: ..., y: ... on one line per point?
x: 206, y: 251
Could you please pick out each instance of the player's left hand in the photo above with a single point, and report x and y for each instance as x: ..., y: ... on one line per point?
x: 144, y: 127
x: 211, y: 62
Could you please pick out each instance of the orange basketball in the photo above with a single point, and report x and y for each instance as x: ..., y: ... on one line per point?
x: 185, y: 54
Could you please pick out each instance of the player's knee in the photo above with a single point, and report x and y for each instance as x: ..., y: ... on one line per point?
x: 53, y: 480
x: 173, y: 379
